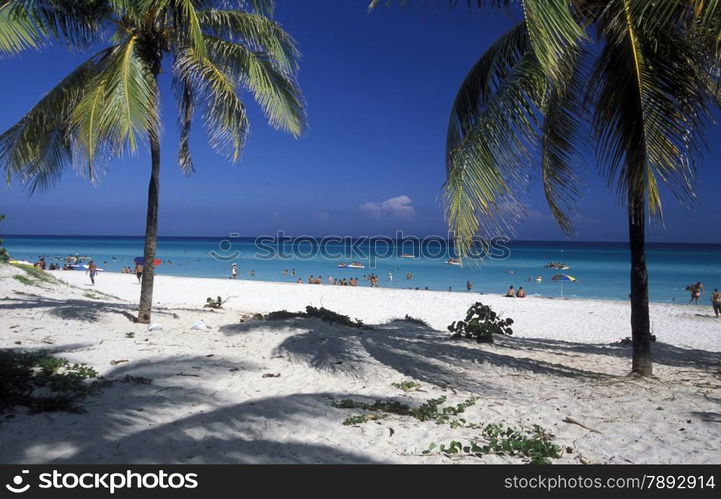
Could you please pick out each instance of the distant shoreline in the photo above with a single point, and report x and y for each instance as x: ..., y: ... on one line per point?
x: 560, y: 242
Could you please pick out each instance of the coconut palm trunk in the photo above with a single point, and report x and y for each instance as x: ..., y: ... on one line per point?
x: 103, y: 107
x: 640, y: 323
x: 151, y: 233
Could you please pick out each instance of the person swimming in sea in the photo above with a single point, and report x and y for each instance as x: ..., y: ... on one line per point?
x: 696, y: 292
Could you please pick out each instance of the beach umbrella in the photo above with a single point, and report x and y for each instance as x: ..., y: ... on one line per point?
x: 563, y: 278
x: 139, y: 260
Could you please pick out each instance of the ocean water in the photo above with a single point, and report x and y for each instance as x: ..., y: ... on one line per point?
x: 601, y: 269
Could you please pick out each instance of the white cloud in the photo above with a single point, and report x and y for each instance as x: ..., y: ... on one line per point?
x: 397, y: 207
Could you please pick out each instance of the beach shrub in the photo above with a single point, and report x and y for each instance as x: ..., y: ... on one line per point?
x: 330, y: 316
x: 407, y: 386
x: 213, y: 303
x: 480, y: 324
x: 412, y: 320
x: 535, y: 444
x: 43, y: 383
x: 320, y: 313
x: 428, y: 411
x: 34, y: 276
x: 281, y: 315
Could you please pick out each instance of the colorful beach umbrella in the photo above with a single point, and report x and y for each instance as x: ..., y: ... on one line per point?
x: 141, y: 261
x: 563, y: 278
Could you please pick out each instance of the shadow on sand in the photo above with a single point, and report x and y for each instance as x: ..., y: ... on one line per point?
x: 108, y: 431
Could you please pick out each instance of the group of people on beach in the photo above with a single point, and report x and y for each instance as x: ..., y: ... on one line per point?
x: 512, y: 293
x: 697, y: 290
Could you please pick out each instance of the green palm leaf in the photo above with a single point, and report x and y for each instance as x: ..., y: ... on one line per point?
x: 275, y: 91
x: 255, y: 31
x: 224, y: 114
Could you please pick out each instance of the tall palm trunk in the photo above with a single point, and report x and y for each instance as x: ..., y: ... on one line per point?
x: 640, y: 322
x: 153, y: 55
x: 151, y: 233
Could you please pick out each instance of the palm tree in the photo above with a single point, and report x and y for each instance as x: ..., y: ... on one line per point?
x: 640, y: 77
x: 110, y: 103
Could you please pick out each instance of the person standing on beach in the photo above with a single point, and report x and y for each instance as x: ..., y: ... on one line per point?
x: 696, y: 292
x: 469, y: 286
x: 139, y: 272
x: 92, y: 270
x: 716, y: 302
x: 234, y: 271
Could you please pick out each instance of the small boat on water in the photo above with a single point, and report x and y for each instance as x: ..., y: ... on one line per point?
x: 453, y: 261
x: 352, y: 265
x: 407, y: 256
x: 556, y: 266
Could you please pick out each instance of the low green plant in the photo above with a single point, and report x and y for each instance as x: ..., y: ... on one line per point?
x: 34, y: 276
x: 320, y: 313
x: 281, y: 315
x: 480, y: 324
x: 43, y: 383
x: 407, y: 386
x: 412, y: 320
x: 24, y: 280
x: 362, y: 418
x: 428, y: 411
x: 535, y: 444
x: 213, y: 303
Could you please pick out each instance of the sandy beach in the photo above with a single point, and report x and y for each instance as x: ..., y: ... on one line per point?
x: 249, y: 390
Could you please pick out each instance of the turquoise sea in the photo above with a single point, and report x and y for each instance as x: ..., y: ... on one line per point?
x: 601, y: 269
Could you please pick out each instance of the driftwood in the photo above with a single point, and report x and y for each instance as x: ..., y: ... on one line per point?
x: 569, y: 419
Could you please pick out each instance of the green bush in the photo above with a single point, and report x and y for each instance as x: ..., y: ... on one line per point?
x: 481, y: 324
x: 43, y: 383
x: 320, y: 313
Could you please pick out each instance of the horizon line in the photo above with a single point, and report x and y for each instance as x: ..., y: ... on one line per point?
x: 351, y: 236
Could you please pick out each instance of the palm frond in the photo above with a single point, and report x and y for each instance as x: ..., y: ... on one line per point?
x: 78, y: 23
x: 565, y: 124
x: 275, y: 91
x: 255, y: 31
x: 552, y: 30
x: 186, y: 107
x: 17, y: 30
x: 490, y: 146
x: 119, y: 108
x: 190, y: 32
x: 38, y: 147
x: 224, y: 113
x: 650, y: 104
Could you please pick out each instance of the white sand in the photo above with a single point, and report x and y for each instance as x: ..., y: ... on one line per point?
x: 209, y: 401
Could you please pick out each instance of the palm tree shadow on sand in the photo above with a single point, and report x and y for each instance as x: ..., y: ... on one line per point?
x: 107, y: 432
x: 433, y: 357
x: 411, y: 349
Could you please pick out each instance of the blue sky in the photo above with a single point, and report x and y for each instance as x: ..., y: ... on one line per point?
x: 379, y: 88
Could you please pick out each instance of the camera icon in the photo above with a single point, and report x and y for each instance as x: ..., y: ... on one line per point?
x: 17, y: 486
